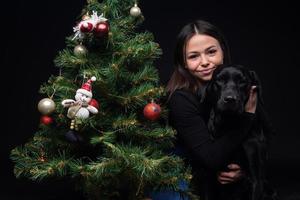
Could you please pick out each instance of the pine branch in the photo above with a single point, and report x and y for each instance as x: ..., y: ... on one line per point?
x: 146, y: 74
x: 125, y: 122
x: 33, y: 163
x: 156, y: 134
x: 140, y: 96
x: 148, y: 166
x: 67, y: 60
x: 59, y: 88
x: 104, y: 167
x: 116, y: 8
x: 139, y: 49
x: 104, y: 137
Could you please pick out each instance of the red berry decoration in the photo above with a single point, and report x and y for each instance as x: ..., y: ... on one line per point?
x: 46, y: 120
x: 86, y: 27
x: 152, y: 111
x: 94, y: 103
x: 101, y: 29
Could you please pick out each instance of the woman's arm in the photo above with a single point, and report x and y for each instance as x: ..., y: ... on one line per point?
x: 233, y: 174
x: 193, y: 134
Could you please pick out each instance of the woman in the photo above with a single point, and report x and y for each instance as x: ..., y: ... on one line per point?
x: 200, y: 49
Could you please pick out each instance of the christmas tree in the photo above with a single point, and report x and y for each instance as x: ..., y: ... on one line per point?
x: 103, y: 116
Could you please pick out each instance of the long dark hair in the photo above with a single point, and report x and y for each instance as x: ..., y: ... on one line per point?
x: 181, y: 77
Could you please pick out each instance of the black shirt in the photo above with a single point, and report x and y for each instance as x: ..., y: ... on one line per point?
x: 204, y: 153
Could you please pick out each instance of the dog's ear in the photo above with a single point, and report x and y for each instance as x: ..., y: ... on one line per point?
x: 203, y: 93
x: 214, y: 124
x: 256, y: 81
x: 207, y: 94
x: 211, y: 123
x: 254, y: 78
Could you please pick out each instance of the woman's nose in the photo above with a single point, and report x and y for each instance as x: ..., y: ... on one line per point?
x: 204, y: 61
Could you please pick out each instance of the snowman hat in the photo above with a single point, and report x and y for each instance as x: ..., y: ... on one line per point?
x: 86, y: 88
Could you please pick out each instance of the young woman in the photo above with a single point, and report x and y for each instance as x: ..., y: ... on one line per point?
x: 200, y: 49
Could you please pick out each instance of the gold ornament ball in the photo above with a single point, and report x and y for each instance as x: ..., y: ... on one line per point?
x: 80, y: 50
x: 46, y: 106
x: 135, y: 11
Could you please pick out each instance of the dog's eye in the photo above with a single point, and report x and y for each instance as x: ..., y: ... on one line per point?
x: 221, y: 79
x: 239, y: 79
x: 242, y: 80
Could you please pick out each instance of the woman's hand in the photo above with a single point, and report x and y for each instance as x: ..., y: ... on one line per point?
x: 252, y: 101
x: 234, y: 174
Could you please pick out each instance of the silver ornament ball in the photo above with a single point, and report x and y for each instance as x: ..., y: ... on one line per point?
x: 80, y: 50
x: 135, y: 11
x: 46, y: 106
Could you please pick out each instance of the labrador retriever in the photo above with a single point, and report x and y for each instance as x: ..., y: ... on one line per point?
x: 226, y: 95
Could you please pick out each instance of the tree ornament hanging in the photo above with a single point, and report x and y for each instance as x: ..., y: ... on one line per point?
x: 101, y: 29
x: 46, y: 106
x: 135, y: 11
x: 80, y: 50
x: 87, y: 25
x: 152, y: 111
x: 80, y: 108
x: 46, y: 120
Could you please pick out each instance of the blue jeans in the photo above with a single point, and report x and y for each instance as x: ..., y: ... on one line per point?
x: 169, y: 194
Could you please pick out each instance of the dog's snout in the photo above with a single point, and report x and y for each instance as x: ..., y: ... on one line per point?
x: 229, y: 99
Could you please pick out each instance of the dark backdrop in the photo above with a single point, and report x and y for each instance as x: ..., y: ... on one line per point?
x: 261, y: 35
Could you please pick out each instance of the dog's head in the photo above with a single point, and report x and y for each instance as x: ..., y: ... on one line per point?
x: 228, y: 91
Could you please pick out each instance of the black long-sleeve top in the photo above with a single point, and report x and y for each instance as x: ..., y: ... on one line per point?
x: 187, y: 117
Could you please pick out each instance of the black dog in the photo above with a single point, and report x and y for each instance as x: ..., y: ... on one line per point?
x: 227, y: 94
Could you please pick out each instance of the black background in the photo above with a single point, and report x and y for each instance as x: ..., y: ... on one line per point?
x: 263, y: 36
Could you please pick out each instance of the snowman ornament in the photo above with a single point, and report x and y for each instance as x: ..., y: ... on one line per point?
x: 80, y: 108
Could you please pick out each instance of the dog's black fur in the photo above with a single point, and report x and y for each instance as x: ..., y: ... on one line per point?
x: 226, y: 96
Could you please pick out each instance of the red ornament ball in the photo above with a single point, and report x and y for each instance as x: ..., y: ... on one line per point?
x: 46, y: 120
x: 94, y: 103
x: 101, y: 29
x: 152, y: 111
x: 86, y: 27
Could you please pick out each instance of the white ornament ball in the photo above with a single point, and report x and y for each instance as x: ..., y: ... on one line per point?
x: 80, y: 50
x: 135, y: 11
x: 93, y: 78
x: 46, y: 106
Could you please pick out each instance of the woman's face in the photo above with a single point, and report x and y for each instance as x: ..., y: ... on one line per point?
x: 203, y: 54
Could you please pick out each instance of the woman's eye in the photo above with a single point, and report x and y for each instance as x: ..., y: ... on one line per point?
x: 212, y: 51
x: 192, y: 56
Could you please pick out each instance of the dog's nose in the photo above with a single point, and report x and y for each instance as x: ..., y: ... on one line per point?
x: 229, y: 99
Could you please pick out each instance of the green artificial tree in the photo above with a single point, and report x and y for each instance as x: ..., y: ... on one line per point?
x: 104, y: 121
